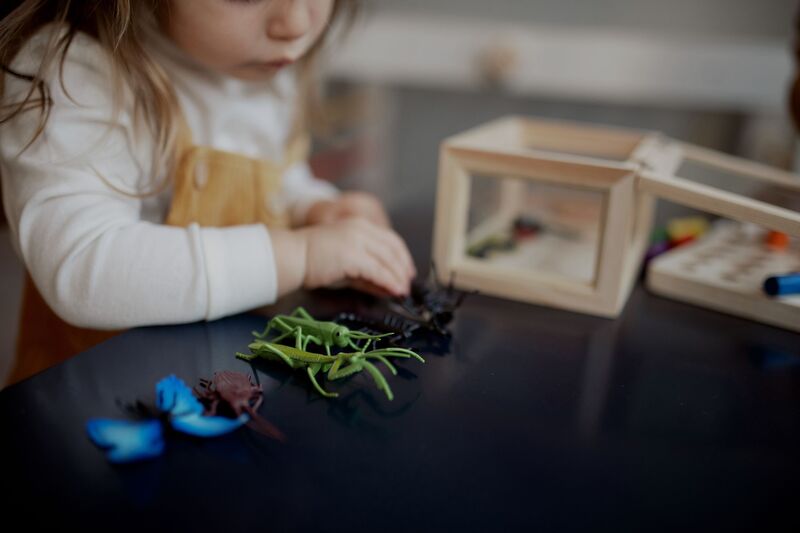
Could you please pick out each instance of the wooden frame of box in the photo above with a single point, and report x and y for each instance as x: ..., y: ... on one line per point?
x: 629, y: 168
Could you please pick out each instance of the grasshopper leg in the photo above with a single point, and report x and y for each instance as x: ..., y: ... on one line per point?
x: 246, y: 356
x: 386, y: 362
x: 310, y: 370
x: 380, y: 381
x: 302, y: 313
x: 285, y: 329
x: 348, y: 370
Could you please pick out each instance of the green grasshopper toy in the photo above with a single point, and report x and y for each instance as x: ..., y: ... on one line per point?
x: 305, y: 329
x: 302, y: 326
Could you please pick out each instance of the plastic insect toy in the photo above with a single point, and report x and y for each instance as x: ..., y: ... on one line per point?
x: 304, y: 328
x: 493, y: 243
x: 429, y: 305
x: 126, y: 441
x: 428, y: 309
x: 237, y: 393
x: 521, y: 228
x: 525, y: 227
x: 393, y: 327
x: 335, y: 366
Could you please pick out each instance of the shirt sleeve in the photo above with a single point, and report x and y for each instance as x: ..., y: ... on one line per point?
x: 74, y: 207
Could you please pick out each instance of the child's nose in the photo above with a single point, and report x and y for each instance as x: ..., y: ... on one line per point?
x: 290, y: 20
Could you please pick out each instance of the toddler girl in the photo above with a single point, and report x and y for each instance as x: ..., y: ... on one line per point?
x: 153, y: 163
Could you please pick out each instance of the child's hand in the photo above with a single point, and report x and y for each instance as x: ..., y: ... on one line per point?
x: 347, y: 205
x: 355, y: 251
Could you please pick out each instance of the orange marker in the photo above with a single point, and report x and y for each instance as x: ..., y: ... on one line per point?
x: 683, y: 240
x: 777, y: 240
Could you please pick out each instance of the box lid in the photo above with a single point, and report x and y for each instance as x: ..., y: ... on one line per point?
x: 721, y: 184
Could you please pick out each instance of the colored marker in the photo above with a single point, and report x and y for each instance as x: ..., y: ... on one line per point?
x: 783, y: 285
x: 656, y: 249
x: 777, y: 240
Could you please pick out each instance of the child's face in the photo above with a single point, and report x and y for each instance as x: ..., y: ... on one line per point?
x: 248, y: 39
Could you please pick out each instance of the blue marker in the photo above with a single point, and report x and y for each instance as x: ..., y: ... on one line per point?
x: 783, y: 285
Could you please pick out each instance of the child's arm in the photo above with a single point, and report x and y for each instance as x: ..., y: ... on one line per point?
x: 98, y: 256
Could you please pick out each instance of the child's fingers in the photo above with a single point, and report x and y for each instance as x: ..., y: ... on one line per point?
x: 401, y: 253
x: 382, y: 251
x: 379, y: 251
x: 398, y: 249
x: 373, y: 254
x: 370, y: 269
x: 388, y: 247
x: 393, y: 254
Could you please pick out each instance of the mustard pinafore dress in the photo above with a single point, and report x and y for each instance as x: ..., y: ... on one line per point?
x: 211, y: 188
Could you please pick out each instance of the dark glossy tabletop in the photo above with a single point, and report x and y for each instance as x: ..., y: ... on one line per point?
x: 670, y: 417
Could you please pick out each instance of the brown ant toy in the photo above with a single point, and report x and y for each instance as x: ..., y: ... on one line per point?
x: 238, y: 394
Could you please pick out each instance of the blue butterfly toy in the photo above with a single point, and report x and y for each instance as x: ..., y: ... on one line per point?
x: 127, y: 441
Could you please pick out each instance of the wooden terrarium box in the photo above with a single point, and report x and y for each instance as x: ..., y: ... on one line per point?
x: 560, y: 213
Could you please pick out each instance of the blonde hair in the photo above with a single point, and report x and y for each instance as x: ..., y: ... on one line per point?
x: 118, y: 25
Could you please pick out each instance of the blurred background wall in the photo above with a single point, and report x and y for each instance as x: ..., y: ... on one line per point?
x: 712, y: 72
x: 715, y: 73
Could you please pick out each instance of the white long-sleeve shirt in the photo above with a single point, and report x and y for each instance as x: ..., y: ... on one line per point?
x: 102, y: 258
